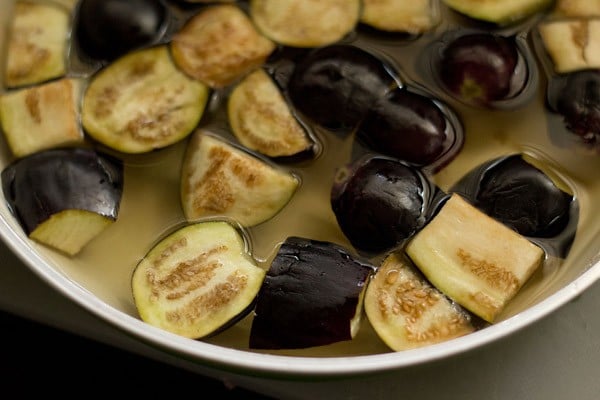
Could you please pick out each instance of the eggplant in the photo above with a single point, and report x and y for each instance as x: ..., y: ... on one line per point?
x: 577, y: 8
x: 474, y: 259
x: 305, y: 23
x: 499, y: 12
x: 572, y: 44
x: 481, y: 68
x: 262, y: 121
x: 65, y: 197
x: 380, y: 202
x: 311, y: 296
x: 219, y: 45
x: 412, y: 17
x: 42, y: 116
x: 335, y: 86
x: 407, y: 312
x: 219, y: 179
x: 105, y: 30
x: 141, y: 102
x: 197, y: 281
x: 37, y: 43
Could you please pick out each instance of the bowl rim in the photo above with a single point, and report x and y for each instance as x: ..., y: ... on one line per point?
x: 259, y: 364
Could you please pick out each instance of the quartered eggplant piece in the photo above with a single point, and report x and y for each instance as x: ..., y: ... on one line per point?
x: 500, y: 12
x: 42, y: 116
x: 335, y: 86
x: 219, y: 45
x: 312, y: 295
x: 142, y: 102
x: 219, y: 179
x: 412, y: 17
x: 37, y: 43
x: 572, y: 44
x: 407, y: 312
x: 262, y: 121
x: 64, y: 197
x: 481, y: 68
x: 197, y: 281
x: 380, y: 202
x: 408, y: 126
x: 474, y: 259
x: 305, y: 23
x: 107, y: 29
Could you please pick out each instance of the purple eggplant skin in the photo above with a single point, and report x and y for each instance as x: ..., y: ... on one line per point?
x: 309, y: 297
x: 334, y: 86
x: 107, y: 29
x: 45, y: 183
x: 520, y: 195
x: 407, y: 126
x: 578, y: 101
x: 380, y: 202
x: 479, y: 68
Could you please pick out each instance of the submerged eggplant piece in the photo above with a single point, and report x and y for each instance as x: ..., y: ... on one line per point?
x: 474, y: 259
x: 142, y: 102
x: 379, y: 202
x: 107, y: 29
x: 407, y: 312
x: 42, y: 116
x: 219, y: 45
x: 501, y: 12
x: 261, y: 119
x: 413, y: 17
x: 197, y: 281
x: 64, y: 197
x: 305, y: 23
x: 576, y: 96
x: 407, y: 126
x: 37, y: 45
x: 481, y: 68
x: 335, y: 86
x: 219, y: 179
x: 311, y: 296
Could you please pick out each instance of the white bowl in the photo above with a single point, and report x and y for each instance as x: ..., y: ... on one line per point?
x: 101, y: 284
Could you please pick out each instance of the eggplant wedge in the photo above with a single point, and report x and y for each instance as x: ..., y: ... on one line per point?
x: 37, y: 44
x: 305, y: 23
x: 413, y: 17
x: 219, y: 179
x: 197, y: 281
x: 572, y: 44
x: 142, y: 102
x: 501, y: 12
x: 261, y: 119
x: 474, y: 259
x: 219, y: 45
x: 42, y: 116
x: 407, y: 312
x: 312, y: 295
x: 65, y: 197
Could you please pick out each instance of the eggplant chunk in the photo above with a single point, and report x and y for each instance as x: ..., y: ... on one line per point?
x: 37, y: 45
x: 64, y: 197
x: 312, y: 296
x: 142, y: 102
x: 407, y: 312
x: 42, y: 116
x: 261, y: 119
x: 414, y: 17
x: 197, y: 281
x: 219, y: 45
x: 473, y: 259
x: 572, y: 44
x: 305, y: 23
x: 501, y: 12
x: 219, y: 179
